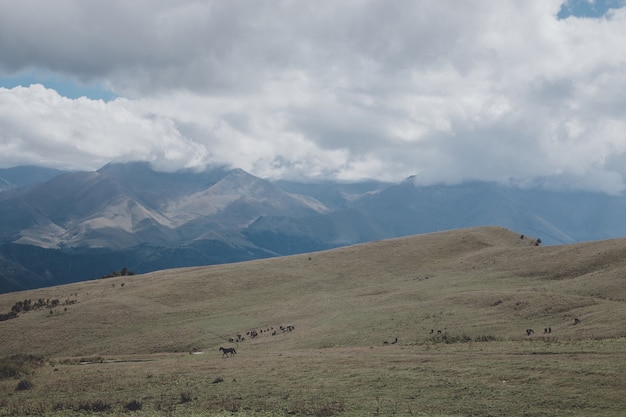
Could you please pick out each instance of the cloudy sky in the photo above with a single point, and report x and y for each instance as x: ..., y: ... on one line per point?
x: 529, y: 92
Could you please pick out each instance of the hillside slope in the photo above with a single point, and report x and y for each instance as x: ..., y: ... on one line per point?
x: 480, y: 282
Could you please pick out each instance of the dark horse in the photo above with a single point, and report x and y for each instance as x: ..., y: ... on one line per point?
x: 226, y: 351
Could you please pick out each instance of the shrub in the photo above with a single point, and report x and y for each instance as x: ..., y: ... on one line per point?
x: 123, y: 273
x: 8, y: 316
x: 24, y: 385
x: 134, y: 405
x: 28, y: 305
x: 185, y: 397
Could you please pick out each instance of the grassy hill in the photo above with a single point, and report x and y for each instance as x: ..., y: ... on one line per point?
x: 458, y: 302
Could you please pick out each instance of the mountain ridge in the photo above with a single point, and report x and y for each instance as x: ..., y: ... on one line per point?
x: 131, y: 209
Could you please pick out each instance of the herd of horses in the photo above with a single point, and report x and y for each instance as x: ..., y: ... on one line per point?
x: 231, y: 351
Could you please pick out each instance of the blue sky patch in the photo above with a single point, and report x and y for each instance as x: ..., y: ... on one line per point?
x: 63, y: 85
x: 588, y: 8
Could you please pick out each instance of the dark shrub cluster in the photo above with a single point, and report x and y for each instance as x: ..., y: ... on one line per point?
x: 32, y: 305
x: 28, y: 305
x: 185, y: 397
x: 121, y: 273
x: 134, y: 405
x: 24, y: 385
x: 8, y: 316
x: 16, y: 366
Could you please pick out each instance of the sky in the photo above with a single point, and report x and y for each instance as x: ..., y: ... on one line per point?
x: 531, y: 93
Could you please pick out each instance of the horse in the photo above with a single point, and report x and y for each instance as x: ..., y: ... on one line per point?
x: 393, y: 343
x: 226, y: 351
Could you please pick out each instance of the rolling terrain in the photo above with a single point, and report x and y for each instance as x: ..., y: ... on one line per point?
x: 459, y: 303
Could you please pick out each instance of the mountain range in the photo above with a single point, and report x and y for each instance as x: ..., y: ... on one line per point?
x: 58, y: 227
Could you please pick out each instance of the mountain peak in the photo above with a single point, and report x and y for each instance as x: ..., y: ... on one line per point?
x: 125, y: 168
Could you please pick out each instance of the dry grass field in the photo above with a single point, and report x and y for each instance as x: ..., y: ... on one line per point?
x: 458, y: 302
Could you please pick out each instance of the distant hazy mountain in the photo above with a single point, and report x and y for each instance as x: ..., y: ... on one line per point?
x: 406, y: 209
x: 24, y: 176
x: 60, y: 227
x: 125, y: 205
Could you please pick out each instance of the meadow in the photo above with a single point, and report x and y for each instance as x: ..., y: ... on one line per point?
x: 428, y: 325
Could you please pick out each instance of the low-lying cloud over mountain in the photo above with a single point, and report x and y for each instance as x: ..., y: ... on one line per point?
x: 449, y: 91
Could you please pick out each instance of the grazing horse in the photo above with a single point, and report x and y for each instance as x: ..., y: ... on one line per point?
x: 393, y: 343
x: 226, y: 351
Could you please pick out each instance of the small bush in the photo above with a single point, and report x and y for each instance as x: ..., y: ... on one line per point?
x: 185, y: 397
x: 134, y: 405
x: 122, y: 273
x: 24, y: 385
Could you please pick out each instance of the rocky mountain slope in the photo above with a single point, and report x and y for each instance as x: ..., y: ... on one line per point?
x: 82, y: 225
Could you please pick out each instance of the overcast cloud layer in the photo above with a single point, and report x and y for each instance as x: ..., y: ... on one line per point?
x: 447, y: 91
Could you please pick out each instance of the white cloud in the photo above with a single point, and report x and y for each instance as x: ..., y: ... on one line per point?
x: 41, y: 127
x: 345, y: 89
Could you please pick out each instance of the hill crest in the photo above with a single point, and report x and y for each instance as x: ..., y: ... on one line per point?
x: 474, y: 282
